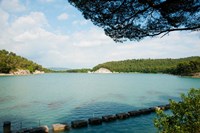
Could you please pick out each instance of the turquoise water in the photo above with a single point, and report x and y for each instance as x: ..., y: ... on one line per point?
x: 33, y: 100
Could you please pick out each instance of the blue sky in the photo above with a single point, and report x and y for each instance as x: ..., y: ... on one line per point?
x: 54, y: 34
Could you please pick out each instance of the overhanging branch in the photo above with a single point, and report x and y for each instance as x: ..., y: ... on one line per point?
x: 177, y: 29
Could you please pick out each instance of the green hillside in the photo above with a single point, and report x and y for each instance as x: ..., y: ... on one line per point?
x: 182, y: 66
x: 9, y: 62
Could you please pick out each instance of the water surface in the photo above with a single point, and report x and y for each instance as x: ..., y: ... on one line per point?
x: 46, y: 99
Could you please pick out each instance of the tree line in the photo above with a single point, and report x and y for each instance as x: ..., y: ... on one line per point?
x: 83, y: 70
x: 182, y: 66
x: 9, y: 62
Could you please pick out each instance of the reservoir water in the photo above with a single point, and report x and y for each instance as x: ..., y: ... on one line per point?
x: 29, y: 101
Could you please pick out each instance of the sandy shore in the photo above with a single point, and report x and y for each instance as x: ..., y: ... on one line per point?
x: 5, y: 74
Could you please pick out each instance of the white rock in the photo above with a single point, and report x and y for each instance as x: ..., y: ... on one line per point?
x: 38, y: 72
x: 103, y: 70
x: 60, y: 127
x: 21, y: 72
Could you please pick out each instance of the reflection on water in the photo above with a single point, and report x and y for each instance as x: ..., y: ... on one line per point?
x: 53, y: 98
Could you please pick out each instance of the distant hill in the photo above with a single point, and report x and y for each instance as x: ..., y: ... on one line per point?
x: 83, y: 70
x: 182, y: 66
x: 58, y: 68
x: 10, y: 62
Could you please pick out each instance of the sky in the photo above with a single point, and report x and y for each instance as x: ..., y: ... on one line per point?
x: 53, y: 33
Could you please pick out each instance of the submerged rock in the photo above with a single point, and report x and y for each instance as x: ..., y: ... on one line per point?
x: 95, y: 121
x: 122, y: 116
x: 109, y: 118
x: 79, y: 123
x: 41, y: 129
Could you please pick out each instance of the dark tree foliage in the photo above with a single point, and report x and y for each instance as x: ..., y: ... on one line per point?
x: 187, y: 68
x: 137, y: 19
x: 83, y: 70
x: 4, y: 68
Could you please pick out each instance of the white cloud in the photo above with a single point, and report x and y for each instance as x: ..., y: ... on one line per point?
x: 13, y: 37
x: 33, y: 20
x: 62, y: 16
x: 176, y: 45
x: 80, y: 22
x: 29, y: 36
x: 91, y: 38
x: 12, y: 5
x: 4, y: 19
x: 46, y: 1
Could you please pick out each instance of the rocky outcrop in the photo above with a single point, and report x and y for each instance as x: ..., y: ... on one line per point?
x: 196, y: 75
x: 103, y: 70
x: 21, y: 72
x: 25, y: 72
x: 38, y: 72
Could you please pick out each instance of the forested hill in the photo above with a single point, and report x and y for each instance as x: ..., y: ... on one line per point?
x: 9, y: 62
x: 182, y: 66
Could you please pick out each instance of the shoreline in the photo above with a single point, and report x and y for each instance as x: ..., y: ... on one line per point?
x: 1, y: 75
x: 5, y: 74
x: 10, y: 74
x: 21, y: 72
x: 196, y: 75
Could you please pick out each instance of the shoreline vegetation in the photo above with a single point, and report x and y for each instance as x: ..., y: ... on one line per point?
x: 12, y: 64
